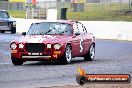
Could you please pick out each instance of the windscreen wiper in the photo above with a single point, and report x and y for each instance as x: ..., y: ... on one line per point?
x: 48, y: 31
x: 63, y: 32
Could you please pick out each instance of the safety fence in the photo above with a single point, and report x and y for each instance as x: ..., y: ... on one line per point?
x: 39, y: 9
x: 5, y: 5
x: 73, y: 6
x: 101, y: 29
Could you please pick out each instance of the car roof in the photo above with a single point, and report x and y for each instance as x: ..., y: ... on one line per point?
x: 71, y: 22
x: 67, y: 21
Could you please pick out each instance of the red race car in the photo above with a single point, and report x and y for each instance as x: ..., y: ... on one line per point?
x: 60, y: 40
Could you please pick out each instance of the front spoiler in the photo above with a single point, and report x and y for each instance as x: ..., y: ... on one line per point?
x: 47, y: 57
x: 4, y: 28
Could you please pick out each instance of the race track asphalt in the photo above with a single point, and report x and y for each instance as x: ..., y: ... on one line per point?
x: 112, y: 57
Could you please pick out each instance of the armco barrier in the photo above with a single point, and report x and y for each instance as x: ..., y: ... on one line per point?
x: 110, y: 29
x: 22, y: 25
x: 101, y: 29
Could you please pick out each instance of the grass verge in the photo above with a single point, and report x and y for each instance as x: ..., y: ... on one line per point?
x: 93, y: 12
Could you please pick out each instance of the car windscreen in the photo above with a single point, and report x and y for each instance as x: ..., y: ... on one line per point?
x: 4, y: 14
x: 47, y: 28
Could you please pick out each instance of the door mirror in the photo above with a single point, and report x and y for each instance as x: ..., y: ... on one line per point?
x: 23, y: 33
x: 77, y: 33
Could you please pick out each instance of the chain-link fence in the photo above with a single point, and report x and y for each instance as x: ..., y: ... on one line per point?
x: 5, y: 5
x: 86, y: 6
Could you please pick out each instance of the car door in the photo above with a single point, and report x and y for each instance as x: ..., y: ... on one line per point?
x: 81, y: 39
x: 76, y: 41
x: 86, y: 38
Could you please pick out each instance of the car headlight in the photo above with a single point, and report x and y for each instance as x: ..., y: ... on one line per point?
x: 21, y: 45
x: 48, y: 45
x: 57, y: 46
x: 14, y: 23
x: 13, y: 45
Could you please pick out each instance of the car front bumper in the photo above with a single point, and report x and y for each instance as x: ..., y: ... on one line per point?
x: 6, y: 28
x: 36, y: 56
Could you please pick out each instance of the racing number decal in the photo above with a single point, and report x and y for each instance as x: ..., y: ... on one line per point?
x: 81, y: 45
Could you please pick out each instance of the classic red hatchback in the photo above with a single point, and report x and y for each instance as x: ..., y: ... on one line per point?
x: 60, y: 40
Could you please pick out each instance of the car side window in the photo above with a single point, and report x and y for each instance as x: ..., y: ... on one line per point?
x: 81, y: 28
x: 84, y: 29
x: 75, y: 27
x: 68, y: 30
x: 4, y: 14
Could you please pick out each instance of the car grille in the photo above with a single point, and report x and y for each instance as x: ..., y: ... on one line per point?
x: 34, y: 47
x: 3, y: 23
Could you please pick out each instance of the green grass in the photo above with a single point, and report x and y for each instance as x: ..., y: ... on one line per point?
x: 98, y: 15
x: 102, y: 12
x: 99, y: 12
x: 17, y: 13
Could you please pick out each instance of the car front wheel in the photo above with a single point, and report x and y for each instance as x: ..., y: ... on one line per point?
x: 91, y: 53
x: 16, y: 61
x: 3, y: 31
x: 13, y: 30
x: 67, y: 57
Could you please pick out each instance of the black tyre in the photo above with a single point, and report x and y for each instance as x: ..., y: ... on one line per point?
x: 3, y: 31
x: 91, y: 53
x: 81, y: 80
x: 67, y: 57
x: 16, y: 61
x: 13, y: 30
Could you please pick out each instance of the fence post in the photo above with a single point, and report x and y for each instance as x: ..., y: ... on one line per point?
x: 129, y: 5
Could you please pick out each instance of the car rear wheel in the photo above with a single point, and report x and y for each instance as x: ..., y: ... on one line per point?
x: 13, y: 30
x: 16, y: 61
x: 91, y: 53
x: 67, y: 57
x: 2, y: 31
